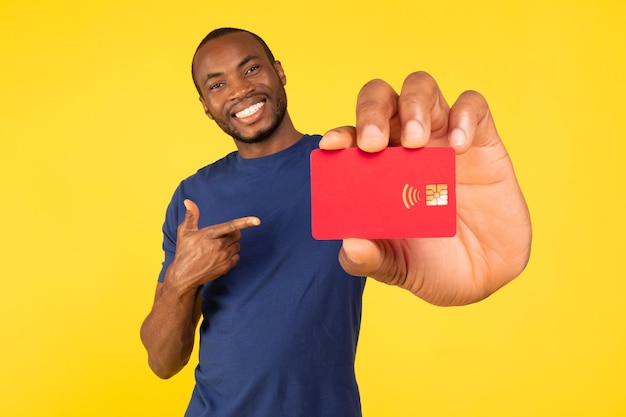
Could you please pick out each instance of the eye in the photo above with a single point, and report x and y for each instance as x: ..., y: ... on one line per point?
x: 252, y: 69
x: 216, y: 86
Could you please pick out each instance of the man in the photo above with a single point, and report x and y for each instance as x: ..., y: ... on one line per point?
x: 282, y: 310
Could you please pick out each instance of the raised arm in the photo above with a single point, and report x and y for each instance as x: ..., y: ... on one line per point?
x: 202, y: 255
x: 492, y: 244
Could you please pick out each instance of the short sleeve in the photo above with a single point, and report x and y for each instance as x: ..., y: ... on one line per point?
x: 173, y: 217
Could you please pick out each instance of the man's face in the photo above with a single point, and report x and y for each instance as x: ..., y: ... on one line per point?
x: 241, y: 89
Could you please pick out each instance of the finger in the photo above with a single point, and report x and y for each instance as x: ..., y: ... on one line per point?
x: 232, y: 226
x: 231, y: 249
x: 339, y: 138
x: 192, y: 214
x: 360, y: 257
x: 377, y: 105
x: 470, y: 122
x: 422, y: 109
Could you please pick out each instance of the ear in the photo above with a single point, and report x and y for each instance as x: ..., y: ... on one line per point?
x: 281, y: 73
x: 205, y: 108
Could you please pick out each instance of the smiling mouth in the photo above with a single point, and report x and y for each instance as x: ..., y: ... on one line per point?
x: 250, y: 110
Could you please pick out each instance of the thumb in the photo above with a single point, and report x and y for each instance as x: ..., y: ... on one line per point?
x: 360, y: 257
x: 339, y: 138
x: 190, y: 222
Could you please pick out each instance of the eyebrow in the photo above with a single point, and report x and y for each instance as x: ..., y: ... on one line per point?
x: 241, y: 64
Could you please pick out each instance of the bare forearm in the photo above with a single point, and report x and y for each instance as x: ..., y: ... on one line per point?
x: 168, y: 331
x: 202, y: 255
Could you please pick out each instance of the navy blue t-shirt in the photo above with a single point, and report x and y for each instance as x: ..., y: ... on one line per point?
x: 280, y: 330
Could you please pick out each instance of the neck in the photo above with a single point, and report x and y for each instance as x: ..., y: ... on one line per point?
x: 284, y: 136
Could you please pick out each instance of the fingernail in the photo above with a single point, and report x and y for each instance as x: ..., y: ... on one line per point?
x: 371, y: 133
x: 371, y: 139
x: 457, y: 138
x: 413, y: 129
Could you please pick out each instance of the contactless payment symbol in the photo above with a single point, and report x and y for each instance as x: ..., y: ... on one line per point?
x: 437, y: 194
x: 410, y: 196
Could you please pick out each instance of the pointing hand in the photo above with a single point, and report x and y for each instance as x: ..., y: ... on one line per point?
x: 203, y: 255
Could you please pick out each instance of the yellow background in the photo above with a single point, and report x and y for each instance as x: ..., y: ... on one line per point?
x: 99, y: 121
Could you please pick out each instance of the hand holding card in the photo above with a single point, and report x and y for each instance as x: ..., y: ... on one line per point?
x: 392, y: 194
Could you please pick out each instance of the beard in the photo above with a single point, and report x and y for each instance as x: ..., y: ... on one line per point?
x: 278, y: 115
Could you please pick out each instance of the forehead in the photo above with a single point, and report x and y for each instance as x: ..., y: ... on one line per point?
x: 227, y: 51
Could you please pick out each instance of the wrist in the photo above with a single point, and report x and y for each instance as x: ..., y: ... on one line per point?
x: 179, y: 284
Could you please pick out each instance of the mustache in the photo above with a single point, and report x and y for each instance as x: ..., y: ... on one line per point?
x: 248, y: 96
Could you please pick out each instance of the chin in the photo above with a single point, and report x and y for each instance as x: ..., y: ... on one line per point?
x: 261, y: 135
x: 251, y: 140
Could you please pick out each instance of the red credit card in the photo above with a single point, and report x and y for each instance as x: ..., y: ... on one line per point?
x: 393, y: 194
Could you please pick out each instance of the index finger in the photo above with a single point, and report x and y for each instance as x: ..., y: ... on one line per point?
x: 231, y: 226
x: 423, y: 110
x: 376, y: 108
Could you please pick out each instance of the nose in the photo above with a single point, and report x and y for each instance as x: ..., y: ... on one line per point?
x: 240, y: 87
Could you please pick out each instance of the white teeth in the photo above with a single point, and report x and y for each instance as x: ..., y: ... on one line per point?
x: 250, y: 110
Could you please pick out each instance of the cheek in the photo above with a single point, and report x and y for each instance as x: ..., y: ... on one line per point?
x: 210, y: 108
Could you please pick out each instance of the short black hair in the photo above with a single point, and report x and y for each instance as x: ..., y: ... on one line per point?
x: 216, y: 33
